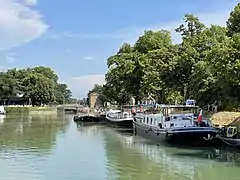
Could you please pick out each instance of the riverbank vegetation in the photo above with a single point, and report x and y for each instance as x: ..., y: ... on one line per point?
x: 35, y: 86
x: 205, y: 65
x: 28, y: 109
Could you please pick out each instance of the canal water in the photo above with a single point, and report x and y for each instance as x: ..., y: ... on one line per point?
x: 51, y: 147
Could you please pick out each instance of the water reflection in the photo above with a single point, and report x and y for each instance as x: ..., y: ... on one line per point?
x: 30, y: 131
x: 2, y: 117
x: 88, y: 128
x: 131, y: 157
x: 26, y: 143
x: 55, y: 148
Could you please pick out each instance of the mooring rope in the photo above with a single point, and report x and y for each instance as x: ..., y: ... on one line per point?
x: 230, y: 144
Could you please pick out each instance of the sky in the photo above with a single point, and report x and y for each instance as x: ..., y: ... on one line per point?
x: 75, y: 37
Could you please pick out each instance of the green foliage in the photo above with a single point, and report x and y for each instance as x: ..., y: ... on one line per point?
x: 233, y: 22
x: 174, y: 96
x: 38, y: 86
x: 45, y: 108
x: 63, y: 94
x: 25, y: 109
x: 17, y: 109
x: 204, y: 66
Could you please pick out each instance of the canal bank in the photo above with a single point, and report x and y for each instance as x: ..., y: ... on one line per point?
x: 28, y: 109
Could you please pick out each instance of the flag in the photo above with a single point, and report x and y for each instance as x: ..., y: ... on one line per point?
x: 199, y: 118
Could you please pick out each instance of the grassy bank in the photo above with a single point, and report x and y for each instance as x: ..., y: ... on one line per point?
x: 16, y: 109
x: 42, y: 108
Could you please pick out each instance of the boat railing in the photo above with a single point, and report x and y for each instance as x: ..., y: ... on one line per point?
x: 167, y: 109
x: 120, y: 115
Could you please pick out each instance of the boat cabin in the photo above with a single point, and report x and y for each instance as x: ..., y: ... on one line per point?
x: 179, y: 120
x: 166, y: 110
x: 129, y: 108
x: 168, y: 116
x: 190, y: 102
x: 118, y: 114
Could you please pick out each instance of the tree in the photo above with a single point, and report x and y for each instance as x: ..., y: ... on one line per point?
x: 38, y: 84
x: 233, y: 22
x: 46, y: 71
x: 119, y: 76
x: 191, y: 28
x: 39, y: 88
x: 150, y: 41
x: 204, y: 66
x: 63, y: 94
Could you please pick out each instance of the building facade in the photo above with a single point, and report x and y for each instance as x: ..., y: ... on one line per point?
x: 93, y: 99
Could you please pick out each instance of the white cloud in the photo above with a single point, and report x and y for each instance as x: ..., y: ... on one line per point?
x: 216, y: 18
x: 73, y: 35
x: 82, y: 84
x: 19, y: 24
x: 88, y: 58
x: 30, y: 2
x: 131, y: 34
x: 11, y: 59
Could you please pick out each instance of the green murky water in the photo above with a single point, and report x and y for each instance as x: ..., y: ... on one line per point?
x: 55, y: 148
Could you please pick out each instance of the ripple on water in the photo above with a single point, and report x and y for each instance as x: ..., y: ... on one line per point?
x: 99, y: 153
x: 21, y: 167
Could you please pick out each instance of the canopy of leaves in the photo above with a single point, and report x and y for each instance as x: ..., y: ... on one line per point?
x: 39, y: 85
x: 204, y: 66
x: 233, y: 23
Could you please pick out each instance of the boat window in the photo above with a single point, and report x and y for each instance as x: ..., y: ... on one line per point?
x: 187, y: 118
x: 160, y: 125
x: 151, y: 120
x: 147, y: 120
x: 167, y: 118
x: 230, y: 130
x: 144, y: 120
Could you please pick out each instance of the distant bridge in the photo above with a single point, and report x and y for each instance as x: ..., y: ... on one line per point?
x: 72, y: 108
